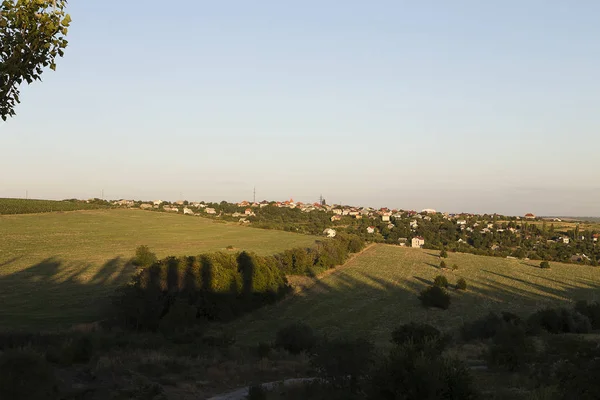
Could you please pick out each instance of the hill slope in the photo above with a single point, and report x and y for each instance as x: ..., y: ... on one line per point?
x: 56, y: 269
x: 376, y: 291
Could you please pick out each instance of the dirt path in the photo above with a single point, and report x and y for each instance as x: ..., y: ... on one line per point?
x: 303, y: 283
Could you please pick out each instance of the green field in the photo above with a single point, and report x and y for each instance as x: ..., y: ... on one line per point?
x: 377, y: 290
x: 57, y: 269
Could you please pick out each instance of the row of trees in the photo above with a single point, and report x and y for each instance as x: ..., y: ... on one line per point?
x: 177, y: 292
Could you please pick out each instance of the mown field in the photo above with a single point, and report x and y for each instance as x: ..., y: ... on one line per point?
x: 32, y: 206
x: 377, y: 290
x: 58, y: 269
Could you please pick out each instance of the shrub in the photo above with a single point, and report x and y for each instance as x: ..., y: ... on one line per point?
x: 418, y: 335
x: 296, y: 338
x: 26, y: 375
x: 263, y: 350
x: 454, y: 267
x: 590, y: 310
x: 230, y: 247
x: 461, y: 284
x: 444, y: 253
x: 144, y: 257
x: 511, y: 348
x: 443, y: 264
x: 435, y: 296
x: 256, y: 392
x: 559, y: 320
x: 344, y: 363
x: 180, y: 316
x: 489, y: 326
x: 440, y: 281
x: 409, y: 373
x: 544, y: 265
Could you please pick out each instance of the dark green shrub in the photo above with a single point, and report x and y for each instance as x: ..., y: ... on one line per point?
x: 296, y: 338
x: 441, y: 281
x: 544, y: 265
x: 256, y: 392
x: 461, y: 284
x: 443, y: 253
x: 144, y: 257
x: 511, y: 348
x: 230, y: 247
x: 263, y: 350
x: 344, y: 363
x: 410, y: 373
x: 443, y: 264
x: 559, y: 320
x: 435, y: 296
x: 488, y: 326
x: 418, y: 335
x: 590, y: 310
x: 454, y: 267
x: 180, y: 316
x: 25, y: 375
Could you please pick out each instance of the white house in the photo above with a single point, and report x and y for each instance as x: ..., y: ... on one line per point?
x: 329, y: 232
x: 210, y: 211
x: 145, y: 206
x: 157, y: 202
x: 413, y: 224
x: 429, y: 211
x: 385, y: 218
x: 461, y: 222
x: 337, y: 211
x: 418, y: 241
x: 336, y: 218
x: 565, y: 240
x: 188, y: 211
x: 371, y: 229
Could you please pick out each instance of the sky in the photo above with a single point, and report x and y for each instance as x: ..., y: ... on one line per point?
x: 461, y: 106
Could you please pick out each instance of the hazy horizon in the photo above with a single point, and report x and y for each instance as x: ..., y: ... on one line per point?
x: 463, y: 107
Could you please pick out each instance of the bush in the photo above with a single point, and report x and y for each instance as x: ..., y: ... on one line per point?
x: 435, y: 296
x: 26, y: 375
x: 296, y: 338
x: 440, y: 281
x: 559, y: 320
x: 344, y: 363
x: 544, y: 265
x: 410, y: 373
x: 454, y: 267
x: 144, y: 257
x: 511, y: 348
x: 180, y: 316
x: 443, y: 264
x: 263, y: 350
x: 590, y: 310
x: 418, y: 335
x: 489, y: 326
x: 444, y: 253
x: 461, y: 284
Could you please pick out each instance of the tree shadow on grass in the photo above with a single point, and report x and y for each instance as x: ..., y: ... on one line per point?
x: 55, y: 294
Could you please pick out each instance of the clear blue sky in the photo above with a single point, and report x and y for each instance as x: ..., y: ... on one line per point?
x: 474, y: 106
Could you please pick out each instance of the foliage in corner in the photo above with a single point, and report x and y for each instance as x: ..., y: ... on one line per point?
x: 32, y: 36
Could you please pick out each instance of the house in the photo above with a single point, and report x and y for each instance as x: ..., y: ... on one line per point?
x: 565, y: 239
x: 418, y: 241
x: 371, y: 229
x: 461, y: 241
x: 358, y: 216
x: 210, y: 211
x: 428, y: 211
x: 237, y: 214
x: 529, y: 216
x: 188, y: 211
x: 248, y: 211
x: 461, y: 222
x: 427, y: 218
x: 146, y: 206
x: 337, y: 211
x: 385, y: 218
x: 179, y: 202
x: 391, y: 226
x: 172, y: 209
x: 329, y: 232
x: 157, y: 202
x: 336, y: 218
x: 595, y: 237
x: 414, y: 225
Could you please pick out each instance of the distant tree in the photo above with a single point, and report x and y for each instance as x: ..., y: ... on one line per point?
x: 544, y: 265
x: 440, y: 281
x: 454, y: 267
x: 435, y: 296
x: 443, y: 264
x: 32, y: 36
x: 461, y: 284
x: 444, y: 253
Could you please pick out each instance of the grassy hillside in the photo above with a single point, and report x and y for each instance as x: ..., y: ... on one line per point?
x: 31, y: 206
x: 377, y: 290
x: 57, y: 269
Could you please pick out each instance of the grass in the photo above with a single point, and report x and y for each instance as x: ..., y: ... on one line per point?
x: 58, y: 269
x: 29, y: 206
x: 377, y: 291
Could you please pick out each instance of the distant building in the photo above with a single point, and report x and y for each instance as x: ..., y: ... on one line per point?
x: 158, y: 202
x: 336, y: 218
x: 210, y: 211
x: 145, y: 206
x: 371, y: 229
x: 418, y: 241
x: 529, y: 216
x: 385, y: 218
x: 188, y: 211
x: 429, y: 211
